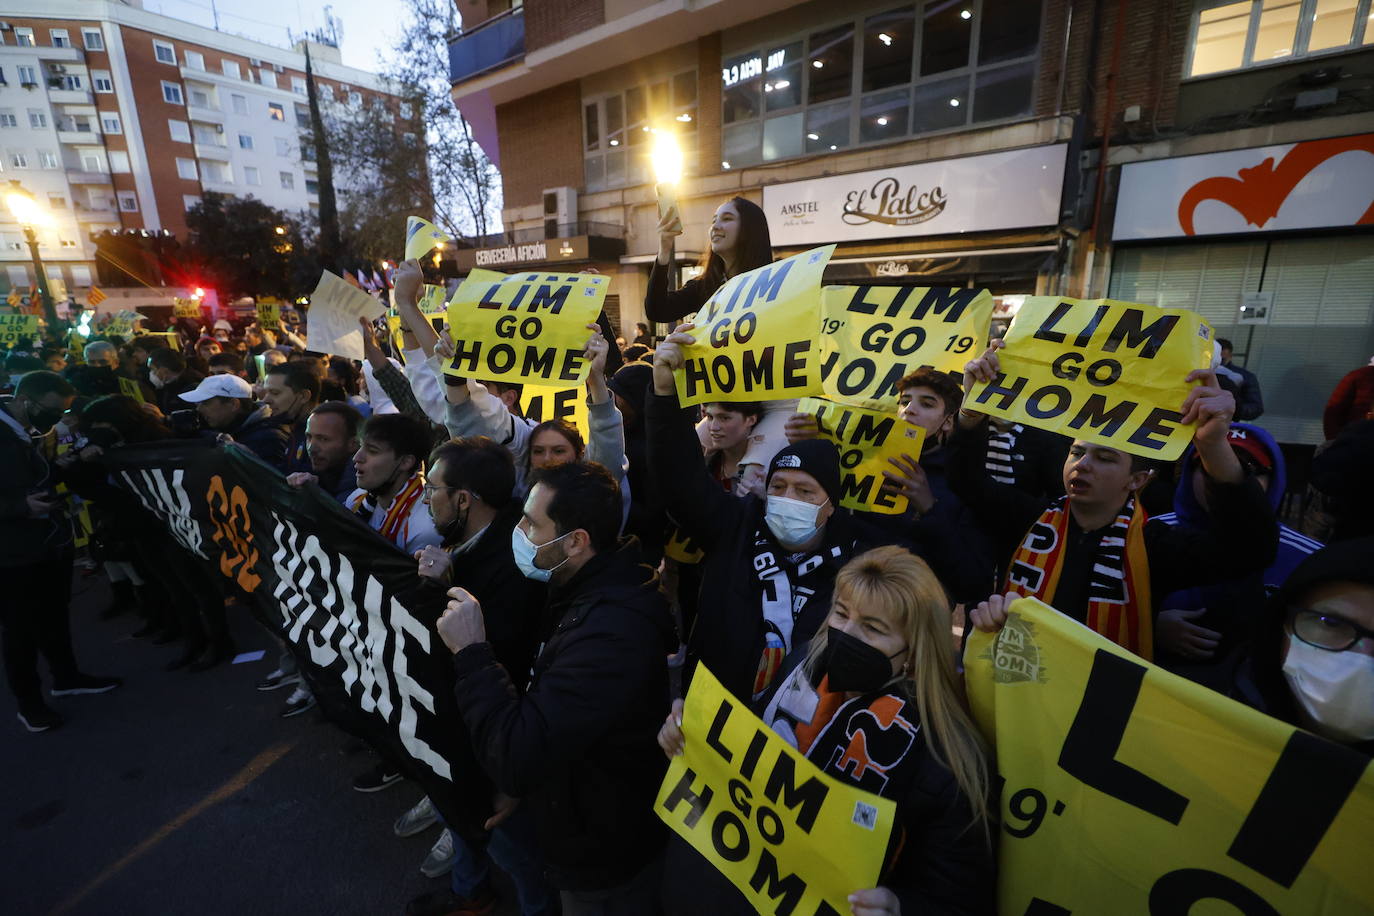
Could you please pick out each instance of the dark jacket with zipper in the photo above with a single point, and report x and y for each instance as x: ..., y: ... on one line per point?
x: 670, y: 305
x: 730, y: 633
x: 25, y: 470
x: 580, y: 747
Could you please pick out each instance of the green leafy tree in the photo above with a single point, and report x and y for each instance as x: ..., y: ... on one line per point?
x: 243, y: 247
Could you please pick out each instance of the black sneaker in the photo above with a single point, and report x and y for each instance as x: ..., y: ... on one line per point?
x: 300, y: 700
x: 278, y: 679
x: 85, y: 683
x: 380, y: 777
x: 40, y: 718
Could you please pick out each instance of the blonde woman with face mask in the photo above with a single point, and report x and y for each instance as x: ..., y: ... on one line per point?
x: 882, y: 665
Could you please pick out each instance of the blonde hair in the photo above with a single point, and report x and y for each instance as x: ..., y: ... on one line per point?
x: 897, y: 580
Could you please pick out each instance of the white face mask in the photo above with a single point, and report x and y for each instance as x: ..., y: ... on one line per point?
x: 157, y: 380
x: 1335, y: 688
x: 792, y: 521
x: 524, y: 550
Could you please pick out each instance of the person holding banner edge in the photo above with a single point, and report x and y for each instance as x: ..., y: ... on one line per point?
x: 739, y: 242
x: 1092, y: 555
x: 883, y: 657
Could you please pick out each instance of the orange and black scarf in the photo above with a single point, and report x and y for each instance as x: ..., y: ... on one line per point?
x: 1119, y: 595
x: 393, y: 525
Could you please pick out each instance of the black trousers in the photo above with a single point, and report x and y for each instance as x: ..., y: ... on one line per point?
x: 35, y: 616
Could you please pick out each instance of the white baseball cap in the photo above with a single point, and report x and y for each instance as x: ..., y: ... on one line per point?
x: 219, y: 386
x: 223, y: 325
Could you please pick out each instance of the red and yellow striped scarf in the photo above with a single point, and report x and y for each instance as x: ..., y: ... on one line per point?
x: 392, y: 527
x: 1119, y: 596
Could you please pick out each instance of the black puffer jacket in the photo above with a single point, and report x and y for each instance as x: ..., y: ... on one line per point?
x: 24, y: 470
x: 580, y: 747
x: 730, y: 632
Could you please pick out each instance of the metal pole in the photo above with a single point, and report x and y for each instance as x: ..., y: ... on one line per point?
x: 41, y: 280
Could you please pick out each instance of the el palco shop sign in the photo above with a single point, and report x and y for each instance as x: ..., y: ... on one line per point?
x: 1014, y: 189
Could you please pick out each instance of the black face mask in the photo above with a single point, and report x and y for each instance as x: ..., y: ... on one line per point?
x: 44, y: 419
x: 451, y: 532
x: 853, y: 665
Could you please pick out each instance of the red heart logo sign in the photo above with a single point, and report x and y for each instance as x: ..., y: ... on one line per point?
x: 1260, y: 190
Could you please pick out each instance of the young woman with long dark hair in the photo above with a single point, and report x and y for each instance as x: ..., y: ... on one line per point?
x: 739, y: 242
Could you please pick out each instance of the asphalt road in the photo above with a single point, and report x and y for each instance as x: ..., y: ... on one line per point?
x: 185, y: 793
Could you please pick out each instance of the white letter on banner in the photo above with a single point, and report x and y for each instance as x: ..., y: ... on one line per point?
x: 373, y: 653
x: 404, y: 624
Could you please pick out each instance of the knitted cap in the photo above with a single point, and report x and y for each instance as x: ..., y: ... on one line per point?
x: 817, y: 457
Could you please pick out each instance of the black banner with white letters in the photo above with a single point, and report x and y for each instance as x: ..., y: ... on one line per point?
x: 349, y: 605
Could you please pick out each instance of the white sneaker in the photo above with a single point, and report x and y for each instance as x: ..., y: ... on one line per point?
x: 300, y: 700
x: 417, y: 820
x: 440, y: 859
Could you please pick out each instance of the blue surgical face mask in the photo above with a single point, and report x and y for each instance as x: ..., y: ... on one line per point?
x: 792, y: 521
x: 525, y: 549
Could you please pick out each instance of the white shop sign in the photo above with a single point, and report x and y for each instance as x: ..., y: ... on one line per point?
x: 1015, y: 189
x: 1309, y: 185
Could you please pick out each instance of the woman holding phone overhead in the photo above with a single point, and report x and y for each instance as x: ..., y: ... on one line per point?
x: 739, y: 242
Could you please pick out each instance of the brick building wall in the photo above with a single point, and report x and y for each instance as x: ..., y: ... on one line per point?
x: 550, y: 21
x: 541, y: 143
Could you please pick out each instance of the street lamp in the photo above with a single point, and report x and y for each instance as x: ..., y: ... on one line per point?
x: 26, y: 213
x: 666, y: 157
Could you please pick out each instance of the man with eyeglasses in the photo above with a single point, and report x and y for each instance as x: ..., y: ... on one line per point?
x: 1312, y: 664
x: 470, y: 494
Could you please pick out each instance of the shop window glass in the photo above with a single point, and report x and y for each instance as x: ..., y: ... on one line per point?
x: 593, y: 128
x: 1278, y: 30
x: 741, y: 86
x: 740, y: 144
x: 830, y: 64
x: 888, y: 41
x: 827, y: 128
x: 636, y: 116
x: 1007, y: 30
x: 884, y: 116
x: 615, y: 122
x: 1004, y: 92
x: 940, y: 105
x: 1221, y: 38
x: 946, y: 34
x: 782, y: 79
x: 1333, y: 23
x: 782, y: 137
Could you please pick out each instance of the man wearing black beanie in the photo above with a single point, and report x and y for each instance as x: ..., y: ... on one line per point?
x: 770, y: 563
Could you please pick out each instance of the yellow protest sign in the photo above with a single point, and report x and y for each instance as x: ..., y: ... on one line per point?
x: 1128, y: 789
x: 791, y: 838
x: 131, y: 388
x: 872, y: 336
x: 1110, y: 372
x: 542, y: 403
x: 866, y: 440
x: 528, y: 328
x: 422, y: 237
x: 14, y: 328
x: 756, y: 335
x: 269, y: 313
x: 185, y: 308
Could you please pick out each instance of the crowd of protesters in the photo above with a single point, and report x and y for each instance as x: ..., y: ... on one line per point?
x: 590, y: 571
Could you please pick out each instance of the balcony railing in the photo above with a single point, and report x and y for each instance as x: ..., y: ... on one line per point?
x: 489, y: 45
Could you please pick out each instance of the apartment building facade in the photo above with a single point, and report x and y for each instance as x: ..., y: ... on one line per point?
x: 940, y: 143
x: 118, y: 119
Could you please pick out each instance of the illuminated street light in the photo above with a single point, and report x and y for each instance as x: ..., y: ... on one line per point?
x: 26, y: 213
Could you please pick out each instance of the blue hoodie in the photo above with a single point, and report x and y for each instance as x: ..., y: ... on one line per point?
x: 1233, y: 607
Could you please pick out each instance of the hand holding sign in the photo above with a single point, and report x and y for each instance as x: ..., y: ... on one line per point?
x: 668, y: 358
x: 757, y: 340
x: 524, y: 328
x: 461, y: 625
x: 1109, y: 372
